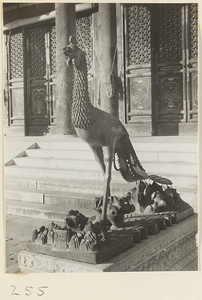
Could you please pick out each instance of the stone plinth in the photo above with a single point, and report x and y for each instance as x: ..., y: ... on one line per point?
x: 117, y: 245
x: 173, y: 249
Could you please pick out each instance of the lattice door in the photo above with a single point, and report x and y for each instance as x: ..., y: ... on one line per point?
x: 176, y: 65
x: 14, y: 78
x: 84, y: 39
x: 138, y: 66
x: 161, y: 62
x: 40, y: 66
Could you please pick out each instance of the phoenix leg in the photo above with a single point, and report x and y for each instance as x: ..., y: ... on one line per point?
x: 108, y: 161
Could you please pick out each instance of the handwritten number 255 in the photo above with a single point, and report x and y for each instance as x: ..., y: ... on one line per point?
x: 28, y: 290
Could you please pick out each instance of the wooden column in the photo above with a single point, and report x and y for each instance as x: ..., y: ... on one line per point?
x: 107, y: 57
x: 65, y: 27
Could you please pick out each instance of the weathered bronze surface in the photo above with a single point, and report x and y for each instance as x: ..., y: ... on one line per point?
x: 100, y: 129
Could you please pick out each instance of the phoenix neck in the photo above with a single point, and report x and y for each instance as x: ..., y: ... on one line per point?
x: 81, y: 105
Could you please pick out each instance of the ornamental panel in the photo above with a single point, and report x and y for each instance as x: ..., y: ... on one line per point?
x: 37, y: 51
x: 171, y: 93
x: 193, y: 23
x: 17, y: 102
x: 53, y: 49
x: 139, y: 34
x: 193, y: 112
x: 39, y: 106
x: 53, y: 103
x: 140, y: 93
x: 169, y: 24
x: 16, y: 54
x: 195, y: 91
x: 83, y: 36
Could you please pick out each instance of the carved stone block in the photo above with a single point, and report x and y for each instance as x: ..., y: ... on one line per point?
x: 60, y: 239
x: 50, y: 237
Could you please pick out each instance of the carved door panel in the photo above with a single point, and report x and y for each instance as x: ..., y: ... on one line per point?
x: 175, y: 70
x: 14, y: 88
x: 137, y: 19
x: 40, y: 79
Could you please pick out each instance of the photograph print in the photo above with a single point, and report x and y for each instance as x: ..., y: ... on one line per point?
x: 100, y: 133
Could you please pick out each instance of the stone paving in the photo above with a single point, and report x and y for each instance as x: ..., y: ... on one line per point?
x: 18, y: 233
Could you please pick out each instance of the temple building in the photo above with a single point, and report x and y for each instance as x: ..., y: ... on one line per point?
x: 142, y: 65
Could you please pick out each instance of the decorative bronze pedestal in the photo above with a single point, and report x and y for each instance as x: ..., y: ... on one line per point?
x: 173, y: 249
x: 169, y: 234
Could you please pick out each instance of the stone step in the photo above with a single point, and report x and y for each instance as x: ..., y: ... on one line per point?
x: 73, y: 200
x: 33, y: 196
x: 151, y: 145
x: 57, y: 174
x: 177, y: 168
x: 58, y: 153
x: 61, y: 173
x: 94, y: 187
x: 55, y: 205
x: 154, y: 156
x: 178, y: 180
x: 81, y: 187
x: 78, y: 195
x: 50, y: 212
x: 58, y: 163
